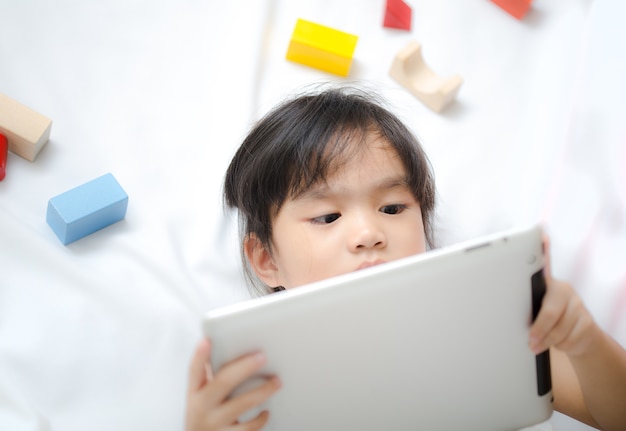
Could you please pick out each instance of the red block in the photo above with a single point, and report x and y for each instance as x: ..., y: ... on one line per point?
x: 517, y: 8
x: 4, y: 152
x: 397, y: 15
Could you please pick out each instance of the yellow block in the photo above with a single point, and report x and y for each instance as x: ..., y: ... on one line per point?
x: 322, y: 47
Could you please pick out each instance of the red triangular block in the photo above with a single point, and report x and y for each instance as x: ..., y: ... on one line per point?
x: 516, y: 8
x: 397, y: 15
x: 4, y: 150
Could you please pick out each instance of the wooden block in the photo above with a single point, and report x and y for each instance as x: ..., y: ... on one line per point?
x: 87, y: 208
x: 397, y: 15
x: 4, y: 149
x: 516, y: 8
x: 410, y: 71
x: 322, y: 47
x: 27, y: 130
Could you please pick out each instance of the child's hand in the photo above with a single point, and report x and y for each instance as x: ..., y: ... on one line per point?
x: 209, y: 402
x: 588, y: 366
x: 563, y: 321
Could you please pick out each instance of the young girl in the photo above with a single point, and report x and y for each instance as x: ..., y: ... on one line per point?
x: 333, y: 182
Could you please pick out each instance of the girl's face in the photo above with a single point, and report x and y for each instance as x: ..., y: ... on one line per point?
x: 363, y: 215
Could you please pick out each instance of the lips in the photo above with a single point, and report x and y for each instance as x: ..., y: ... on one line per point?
x: 370, y: 264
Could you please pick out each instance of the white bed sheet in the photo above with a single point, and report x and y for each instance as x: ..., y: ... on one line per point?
x: 98, y: 334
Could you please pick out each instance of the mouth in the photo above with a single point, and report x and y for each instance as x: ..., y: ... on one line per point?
x: 370, y: 264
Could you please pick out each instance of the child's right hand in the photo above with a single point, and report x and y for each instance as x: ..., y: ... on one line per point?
x: 209, y: 402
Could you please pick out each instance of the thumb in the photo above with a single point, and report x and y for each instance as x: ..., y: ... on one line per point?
x: 200, y: 365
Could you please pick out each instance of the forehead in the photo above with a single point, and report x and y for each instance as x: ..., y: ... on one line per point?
x: 369, y: 163
x: 367, y: 156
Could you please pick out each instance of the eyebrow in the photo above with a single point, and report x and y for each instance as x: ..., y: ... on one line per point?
x: 323, y: 191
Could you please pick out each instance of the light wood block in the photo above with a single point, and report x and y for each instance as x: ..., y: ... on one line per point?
x: 27, y: 131
x: 410, y: 71
x: 322, y: 47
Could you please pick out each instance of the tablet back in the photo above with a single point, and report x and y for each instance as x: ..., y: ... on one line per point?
x: 437, y: 341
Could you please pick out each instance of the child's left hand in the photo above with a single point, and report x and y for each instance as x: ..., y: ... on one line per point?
x: 211, y: 406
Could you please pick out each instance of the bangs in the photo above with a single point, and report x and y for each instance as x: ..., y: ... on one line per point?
x: 317, y: 162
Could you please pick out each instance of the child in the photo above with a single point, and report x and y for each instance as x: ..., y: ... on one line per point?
x: 333, y: 182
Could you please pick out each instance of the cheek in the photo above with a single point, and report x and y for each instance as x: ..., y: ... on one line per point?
x: 309, y: 259
x: 420, y: 245
x: 420, y: 239
x: 414, y: 243
x: 294, y: 257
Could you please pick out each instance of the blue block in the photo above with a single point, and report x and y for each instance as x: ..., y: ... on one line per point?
x: 86, y: 209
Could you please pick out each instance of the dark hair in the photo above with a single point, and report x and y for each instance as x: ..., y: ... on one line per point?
x: 304, y: 140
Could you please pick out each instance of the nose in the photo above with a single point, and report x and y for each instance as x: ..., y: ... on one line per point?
x: 366, y: 233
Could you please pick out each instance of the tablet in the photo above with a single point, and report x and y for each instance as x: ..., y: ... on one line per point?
x: 437, y: 341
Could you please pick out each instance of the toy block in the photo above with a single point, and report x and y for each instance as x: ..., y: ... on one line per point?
x: 516, y: 8
x: 322, y: 47
x: 410, y: 71
x: 87, y: 208
x: 27, y: 131
x: 4, y: 150
x: 397, y: 15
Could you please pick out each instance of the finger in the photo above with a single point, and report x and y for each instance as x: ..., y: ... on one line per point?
x: 563, y: 329
x: 553, y: 306
x: 254, y: 424
x: 197, y: 369
x: 233, y: 374
x: 572, y: 333
x: 236, y: 406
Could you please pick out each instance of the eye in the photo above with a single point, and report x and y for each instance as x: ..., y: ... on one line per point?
x: 393, y: 209
x: 326, y: 218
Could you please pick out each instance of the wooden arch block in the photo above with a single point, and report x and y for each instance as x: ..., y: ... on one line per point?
x: 26, y: 130
x: 410, y: 71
